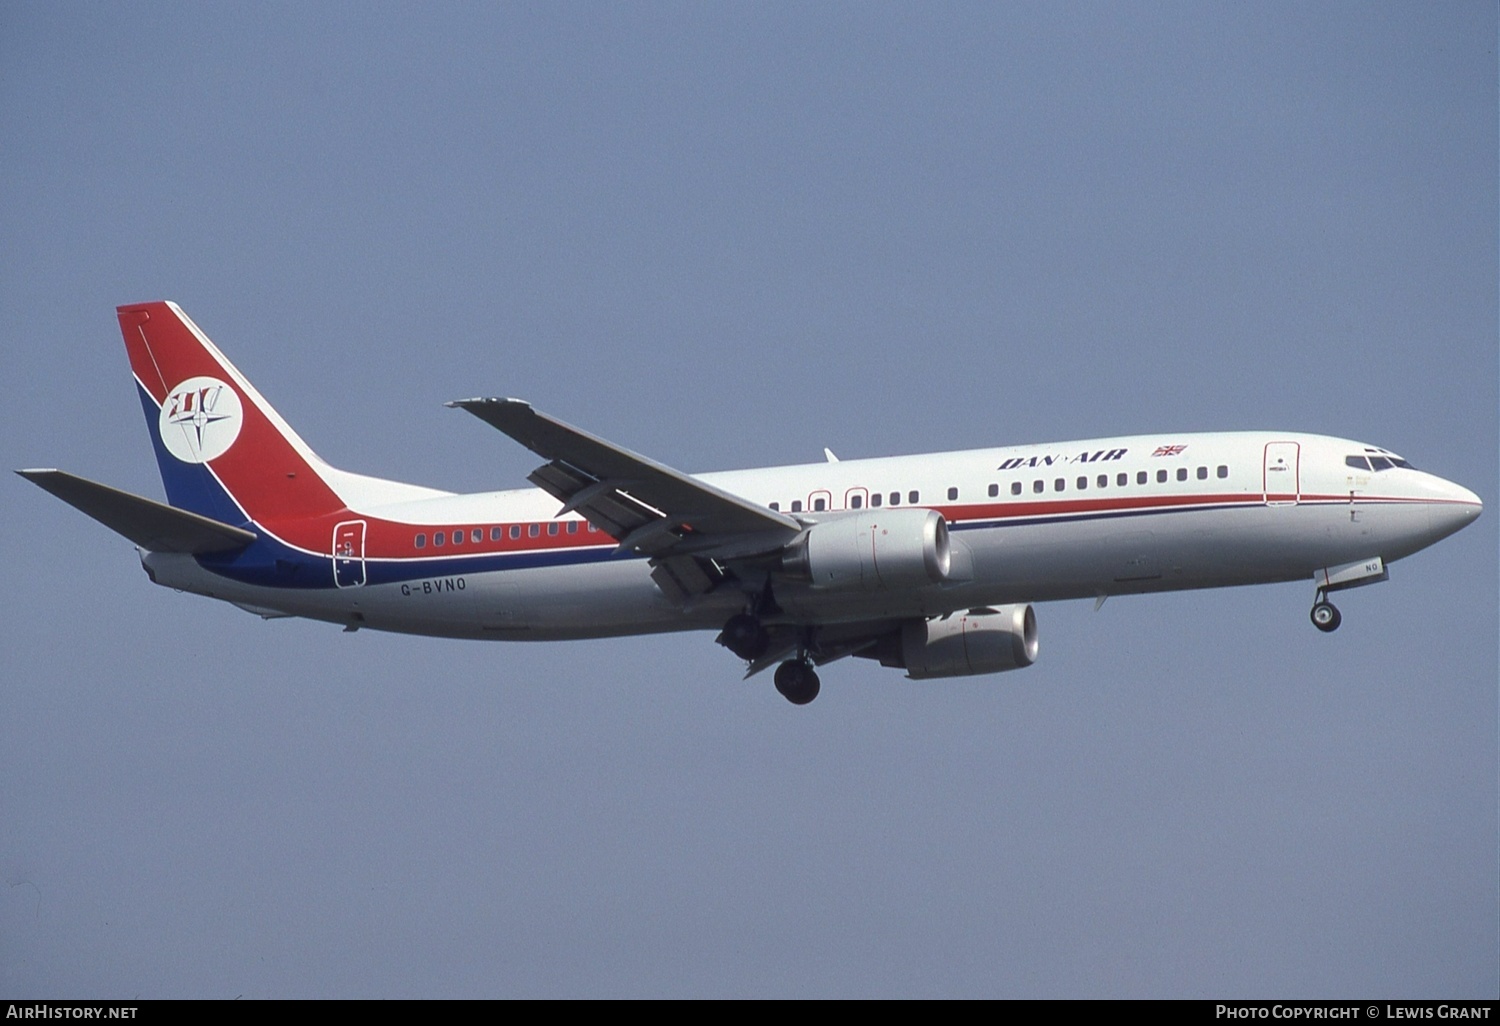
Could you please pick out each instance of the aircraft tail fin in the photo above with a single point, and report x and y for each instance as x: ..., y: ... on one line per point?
x: 224, y: 453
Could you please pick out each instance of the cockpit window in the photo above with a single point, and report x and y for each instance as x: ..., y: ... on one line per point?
x: 1377, y: 461
x: 1384, y: 459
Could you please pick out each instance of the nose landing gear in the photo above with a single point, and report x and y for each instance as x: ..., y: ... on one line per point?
x: 1325, y: 615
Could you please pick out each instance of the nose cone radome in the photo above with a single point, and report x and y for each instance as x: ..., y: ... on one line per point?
x: 1453, y: 507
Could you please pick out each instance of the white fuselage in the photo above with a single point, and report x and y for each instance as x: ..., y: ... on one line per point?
x: 1028, y: 523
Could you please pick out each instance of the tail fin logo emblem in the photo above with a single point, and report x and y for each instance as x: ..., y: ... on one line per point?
x: 200, y: 419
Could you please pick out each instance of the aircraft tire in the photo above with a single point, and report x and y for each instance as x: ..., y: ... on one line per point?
x: 797, y: 682
x: 1326, y: 617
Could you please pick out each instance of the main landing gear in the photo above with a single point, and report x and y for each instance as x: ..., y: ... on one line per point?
x: 747, y: 637
x: 797, y: 681
x: 1325, y: 615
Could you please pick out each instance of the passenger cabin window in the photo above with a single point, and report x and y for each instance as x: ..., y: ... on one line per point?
x: 776, y: 506
x: 477, y: 535
x: 875, y: 499
x: 819, y: 505
x: 913, y: 498
x: 1038, y: 487
x: 1102, y: 481
x: 572, y: 527
x: 895, y: 498
x: 552, y: 527
x: 1083, y: 483
x: 458, y: 537
x: 421, y: 541
x: 1202, y: 473
x: 1161, y: 477
x: 1122, y: 480
x: 1182, y: 473
x: 1140, y: 477
x: 856, y: 501
x: 533, y: 529
x: 796, y: 505
x: 952, y: 494
x: 437, y: 538
x: 994, y: 490
x: 1015, y: 488
x: 1059, y: 485
x: 515, y: 530
x: 1223, y: 470
x: 496, y: 533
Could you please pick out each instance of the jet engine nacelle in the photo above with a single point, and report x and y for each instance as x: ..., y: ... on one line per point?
x: 872, y: 550
x: 979, y: 641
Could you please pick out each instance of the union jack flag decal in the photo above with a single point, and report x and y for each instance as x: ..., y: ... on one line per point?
x: 1169, y: 450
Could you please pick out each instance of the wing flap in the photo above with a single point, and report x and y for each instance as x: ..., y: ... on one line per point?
x: 152, y: 525
x: 603, y: 503
x: 681, y: 578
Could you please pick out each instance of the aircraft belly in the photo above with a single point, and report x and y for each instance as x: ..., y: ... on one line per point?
x: 999, y: 564
x: 602, y: 600
x: 1191, y: 549
x: 545, y: 603
x: 538, y: 604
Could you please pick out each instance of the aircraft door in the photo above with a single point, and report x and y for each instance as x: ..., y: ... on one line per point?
x: 1282, y: 477
x: 349, y: 554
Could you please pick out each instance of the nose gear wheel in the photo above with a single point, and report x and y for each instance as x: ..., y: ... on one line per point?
x: 1325, y: 615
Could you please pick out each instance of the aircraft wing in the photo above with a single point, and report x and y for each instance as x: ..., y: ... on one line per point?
x: 152, y: 525
x: 683, y: 524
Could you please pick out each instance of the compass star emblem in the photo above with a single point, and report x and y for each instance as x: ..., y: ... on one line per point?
x: 200, y: 419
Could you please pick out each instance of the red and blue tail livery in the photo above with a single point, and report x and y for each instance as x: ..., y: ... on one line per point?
x: 222, y: 449
x: 930, y: 563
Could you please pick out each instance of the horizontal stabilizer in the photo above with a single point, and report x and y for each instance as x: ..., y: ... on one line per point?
x: 152, y: 525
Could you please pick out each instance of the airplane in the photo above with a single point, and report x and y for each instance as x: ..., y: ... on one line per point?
x: 927, y: 563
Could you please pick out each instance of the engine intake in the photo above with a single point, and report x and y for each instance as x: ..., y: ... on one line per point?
x: 979, y: 641
x: 872, y: 550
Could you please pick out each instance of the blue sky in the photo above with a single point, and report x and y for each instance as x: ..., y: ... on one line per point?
x: 726, y: 236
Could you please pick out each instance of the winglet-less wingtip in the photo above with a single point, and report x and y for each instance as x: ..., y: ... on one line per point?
x: 469, y: 404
